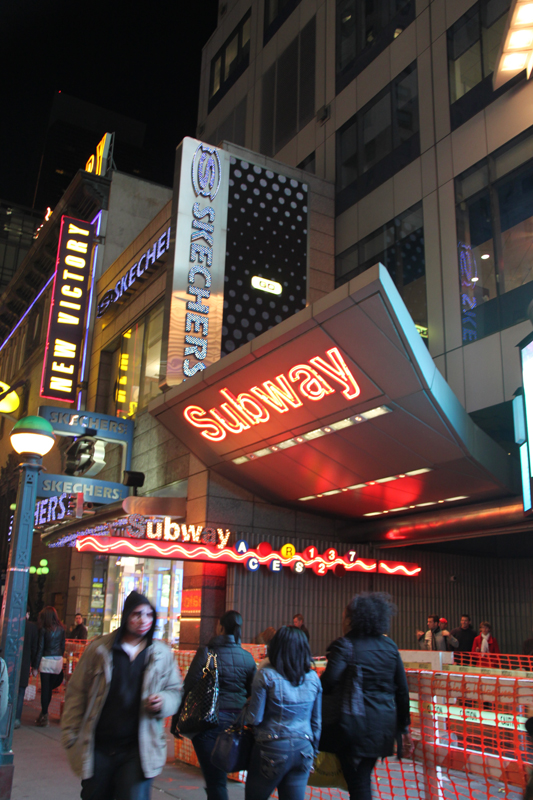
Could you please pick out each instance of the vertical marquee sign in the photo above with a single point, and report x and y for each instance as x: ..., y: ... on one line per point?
x: 196, y: 284
x: 66, y: 323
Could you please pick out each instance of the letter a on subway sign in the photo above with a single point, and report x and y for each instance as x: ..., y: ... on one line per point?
x: 66, y: 323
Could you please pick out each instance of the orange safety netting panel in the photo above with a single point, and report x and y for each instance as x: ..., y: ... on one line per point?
x: 470, y: 741
x: 494, y: 661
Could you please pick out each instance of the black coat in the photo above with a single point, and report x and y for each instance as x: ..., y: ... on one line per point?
x: 236, y: 670
x: 465, y: 638
x: 29, y: 652
x: 51, y: 643
x: 385, y: 691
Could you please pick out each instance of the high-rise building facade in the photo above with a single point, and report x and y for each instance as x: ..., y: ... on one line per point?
x: 394, y: 103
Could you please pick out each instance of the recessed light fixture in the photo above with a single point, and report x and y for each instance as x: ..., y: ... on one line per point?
x: 316, y: 434
x: 417, y: 505
x: 369, y: 483
x: 485, y: 256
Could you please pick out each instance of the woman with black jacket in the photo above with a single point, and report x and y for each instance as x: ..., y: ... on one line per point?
x: 236, y: 670
x: 367, y: 652
x: 49, y: 659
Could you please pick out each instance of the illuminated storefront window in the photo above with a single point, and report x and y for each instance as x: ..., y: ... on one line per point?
x: 136, y: 365
x: 158, y: 579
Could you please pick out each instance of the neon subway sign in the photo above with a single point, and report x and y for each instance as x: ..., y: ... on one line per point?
x: 311, y: 381
x: 166, y: 539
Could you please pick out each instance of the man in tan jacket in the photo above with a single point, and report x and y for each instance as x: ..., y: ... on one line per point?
x: 124, y: 686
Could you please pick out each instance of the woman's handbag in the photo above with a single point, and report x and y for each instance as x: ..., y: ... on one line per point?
x: 51, y: 665
x: 327, y: 772
x: 199, y: 710
x: 233, y: 747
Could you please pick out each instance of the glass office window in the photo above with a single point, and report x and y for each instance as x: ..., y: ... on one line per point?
x: 288, y: 92
x: 364, y: 29
x: 399, y: 246
x: 230, y: 61
x: 379, y: 140
x: 136, y: 365
x: 494, y: 207
x: 473, y: 43
x: 276, y: 12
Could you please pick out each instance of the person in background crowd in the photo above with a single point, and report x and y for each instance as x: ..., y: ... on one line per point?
x: 124, y: 686
x: 385, y: 692
x: 265, y: 637
x: 465, y: 634
x: 49, y: 658
x: 298, y: 622
x: 527, y: 650
x: 236, y: 670
x: 285, y: 711
x: 435, y: 638
x: 485, y: 642
x: 29, y: 659
x: 79, y: 631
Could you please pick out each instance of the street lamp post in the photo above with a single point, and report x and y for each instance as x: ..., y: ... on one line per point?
x: 32, y: 438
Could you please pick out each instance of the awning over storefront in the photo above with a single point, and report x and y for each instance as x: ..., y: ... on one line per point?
x: 339, y: 409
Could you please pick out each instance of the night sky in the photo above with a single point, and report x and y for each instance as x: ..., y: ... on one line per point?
x: 140, y: 59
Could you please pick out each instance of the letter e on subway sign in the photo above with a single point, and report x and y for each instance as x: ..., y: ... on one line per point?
x: 66, y: 323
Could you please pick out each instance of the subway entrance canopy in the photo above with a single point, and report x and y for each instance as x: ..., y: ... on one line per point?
x: 339, y: 410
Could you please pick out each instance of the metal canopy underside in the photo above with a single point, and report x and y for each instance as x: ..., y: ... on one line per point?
x: 428, y: 428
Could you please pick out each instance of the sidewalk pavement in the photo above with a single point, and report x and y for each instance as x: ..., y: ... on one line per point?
x: 42, y: 770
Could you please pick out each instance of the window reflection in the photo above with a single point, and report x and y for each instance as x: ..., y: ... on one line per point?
x: 495, y: 233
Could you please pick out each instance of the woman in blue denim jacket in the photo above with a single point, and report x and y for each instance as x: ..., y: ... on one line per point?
x: 286, y: 712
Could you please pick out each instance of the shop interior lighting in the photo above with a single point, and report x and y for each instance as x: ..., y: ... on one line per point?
x: 372, y: 483
x: 316, y: 434
x: 485, y: 256
x: 516, y: 48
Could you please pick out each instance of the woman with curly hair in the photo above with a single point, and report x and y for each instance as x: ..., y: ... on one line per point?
x: 366, y: 656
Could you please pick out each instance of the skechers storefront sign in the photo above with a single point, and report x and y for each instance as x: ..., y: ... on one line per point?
x: 147, y: 262
x: 196, y: 297
x: 92, y: 489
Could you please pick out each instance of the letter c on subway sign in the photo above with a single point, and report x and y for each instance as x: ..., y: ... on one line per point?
x: 252, y: 564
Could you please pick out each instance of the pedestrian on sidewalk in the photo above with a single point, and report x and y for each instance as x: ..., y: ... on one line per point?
x: 49, y: 659
x: 79, y: 631
x: 285, y: 710
x: 236, y: 670
x: 124, y: 686
x: 29, y: 660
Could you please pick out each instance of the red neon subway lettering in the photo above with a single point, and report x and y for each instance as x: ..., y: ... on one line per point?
x: 338, y: 371
x: 248, y: 406
x: 314, y: 387
x: 278, y: 396
x: 237, y: 423
x: 198, y: 417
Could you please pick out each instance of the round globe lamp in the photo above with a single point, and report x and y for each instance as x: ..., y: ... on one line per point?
x: 32, y: 435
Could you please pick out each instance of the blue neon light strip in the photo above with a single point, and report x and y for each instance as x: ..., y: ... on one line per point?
x: 526, y: 482
x: 23, y: 317
x: 89, y: 311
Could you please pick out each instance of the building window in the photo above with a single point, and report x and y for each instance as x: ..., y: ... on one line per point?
x: 136, y: 365
x: 379, y: 140
x: 230, y: 61
x: 288, y: 92
x: 233, y: 128
x: 473, y: 43
x: 276, y: 12
x: 399, y: 246
x: 364, y: 29
x: 494, y: 207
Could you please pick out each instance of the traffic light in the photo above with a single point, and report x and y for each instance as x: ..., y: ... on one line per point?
x: 85, y: 456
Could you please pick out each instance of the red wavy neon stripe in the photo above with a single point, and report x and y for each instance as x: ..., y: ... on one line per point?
x: 109, y: 544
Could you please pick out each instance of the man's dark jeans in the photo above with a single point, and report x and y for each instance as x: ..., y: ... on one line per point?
x: 203, y: 743
x: 281, y: 763
x: 117, y: 776
x: 20, y: 702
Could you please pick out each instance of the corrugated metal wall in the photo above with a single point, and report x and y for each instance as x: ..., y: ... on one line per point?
x: 498, y: 590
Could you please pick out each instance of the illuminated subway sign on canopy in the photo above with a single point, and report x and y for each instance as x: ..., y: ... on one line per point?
x: 66, y: 323
x: 196, y: 296
x: 159, y: 537
x: 311, y: 381
x: 146, y: 263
